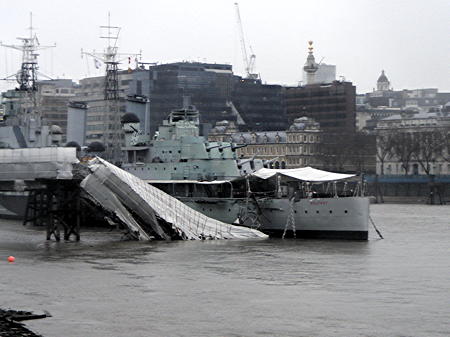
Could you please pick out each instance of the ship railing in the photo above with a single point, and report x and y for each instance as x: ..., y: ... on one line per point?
x: 290, y: 188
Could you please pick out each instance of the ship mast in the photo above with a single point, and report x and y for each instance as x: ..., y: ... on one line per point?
x: 26, y: 77
x: 111, y: 58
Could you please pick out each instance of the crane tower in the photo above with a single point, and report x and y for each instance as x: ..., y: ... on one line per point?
x: 249, y: 61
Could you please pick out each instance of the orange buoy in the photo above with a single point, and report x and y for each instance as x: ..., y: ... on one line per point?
x: 11, y: 259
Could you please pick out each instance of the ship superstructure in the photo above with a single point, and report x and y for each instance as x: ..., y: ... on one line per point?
x: 178, y: 152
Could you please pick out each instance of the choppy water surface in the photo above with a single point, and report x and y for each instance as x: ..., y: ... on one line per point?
x: 102, y: 287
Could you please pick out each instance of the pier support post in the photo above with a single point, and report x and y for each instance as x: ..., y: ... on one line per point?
x: 60, y: 208
x: 378, y: 191
x: 52, y: 222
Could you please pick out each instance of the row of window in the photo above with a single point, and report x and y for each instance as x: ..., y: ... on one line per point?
x: 277, y: 150
x: 94, y: 118
x: 94, y: 127
x: 273, y: 150
x: 298, y: 161
x: 298, y: 149
x: 416, y: 169
x: 54, y: 116
x: 304, y: 138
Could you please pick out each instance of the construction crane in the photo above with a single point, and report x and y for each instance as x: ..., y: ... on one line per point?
x: 249, y: 62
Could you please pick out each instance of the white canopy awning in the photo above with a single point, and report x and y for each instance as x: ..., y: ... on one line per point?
x: 303, y: 173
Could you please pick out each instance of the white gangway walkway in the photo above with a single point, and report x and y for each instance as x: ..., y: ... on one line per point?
x: 151, y: 213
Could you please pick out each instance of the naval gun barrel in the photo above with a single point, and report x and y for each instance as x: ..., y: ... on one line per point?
x: 221, y: 148
x: 245, y: 161
x: 267, y: 162
x: 209, y: 148
x: 237, y: 146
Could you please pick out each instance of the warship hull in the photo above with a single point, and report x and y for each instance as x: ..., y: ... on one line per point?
x: 13, y: 205
x: 321, y: 218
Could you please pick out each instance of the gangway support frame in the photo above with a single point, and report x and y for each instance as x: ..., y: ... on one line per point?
x: 58, y: 208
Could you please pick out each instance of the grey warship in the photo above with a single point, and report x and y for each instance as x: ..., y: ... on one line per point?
x: 210, y: 178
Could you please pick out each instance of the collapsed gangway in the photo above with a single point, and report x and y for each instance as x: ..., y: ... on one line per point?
x: 151, y: 213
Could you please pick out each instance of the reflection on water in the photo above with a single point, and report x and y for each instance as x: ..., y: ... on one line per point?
x: 102, y: 286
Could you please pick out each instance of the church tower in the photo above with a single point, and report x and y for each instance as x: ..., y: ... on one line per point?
x: 383, y: 83
x: 310, y: 66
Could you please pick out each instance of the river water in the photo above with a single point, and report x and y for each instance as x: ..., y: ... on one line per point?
x: 104, y: 287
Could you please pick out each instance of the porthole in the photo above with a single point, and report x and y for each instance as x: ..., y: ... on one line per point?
x: 306, y: 212
x: 331, y: 211
x: 345, y: 211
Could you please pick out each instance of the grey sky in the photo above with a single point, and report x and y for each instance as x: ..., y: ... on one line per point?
x: 408, y: 39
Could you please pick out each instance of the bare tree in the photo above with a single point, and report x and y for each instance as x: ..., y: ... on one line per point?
x: 446, y: 154
x: 384, y: 147
x: 335, y: 151
x: 403, y: 147
x: 429, y: 147
x: 362, y: 152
